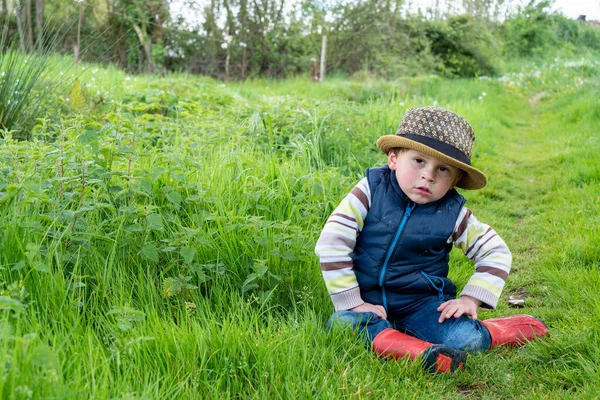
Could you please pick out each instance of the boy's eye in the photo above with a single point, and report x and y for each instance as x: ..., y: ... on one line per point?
x: 419, y: 160
x: 443, y: 169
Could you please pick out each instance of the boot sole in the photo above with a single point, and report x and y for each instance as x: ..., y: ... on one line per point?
x: 442, y: 358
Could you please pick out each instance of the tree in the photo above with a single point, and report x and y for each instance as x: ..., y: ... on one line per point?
x: 23, y: 17
x: 39, y: 20
x: 136, y: 29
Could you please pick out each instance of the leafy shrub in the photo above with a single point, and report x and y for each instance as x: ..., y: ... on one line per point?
x: 529, y: 31
x: 464, y: 46
x: 369, y: 36
x: 576, y: 32
x: 534, y: 31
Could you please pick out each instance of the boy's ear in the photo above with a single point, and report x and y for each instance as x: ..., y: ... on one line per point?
x: 458, y: 178
x: 392, y: 160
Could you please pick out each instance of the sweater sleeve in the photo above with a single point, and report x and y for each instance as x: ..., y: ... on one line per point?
x: 481, y: 244
x: 336, y: 244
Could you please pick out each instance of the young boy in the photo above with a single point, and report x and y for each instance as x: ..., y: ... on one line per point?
x: 384, y: 251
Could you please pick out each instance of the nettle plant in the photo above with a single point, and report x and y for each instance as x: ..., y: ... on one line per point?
x: 95, y: 197
x: 111, y: 196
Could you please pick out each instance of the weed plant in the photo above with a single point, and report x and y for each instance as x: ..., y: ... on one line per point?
x: 161, y: 244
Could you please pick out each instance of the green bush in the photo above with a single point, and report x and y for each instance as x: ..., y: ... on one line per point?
x: 534, y: 31
x: 465, y: 46
x: 576, y: 32
x: 529, y: 32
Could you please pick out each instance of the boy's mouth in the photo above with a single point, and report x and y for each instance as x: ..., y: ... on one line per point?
x: 423, y: 190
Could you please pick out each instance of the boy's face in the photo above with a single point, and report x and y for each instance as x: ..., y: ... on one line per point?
x: 422, y: 178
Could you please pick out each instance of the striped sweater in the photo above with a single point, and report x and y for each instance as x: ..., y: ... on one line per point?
x: 476, y: 240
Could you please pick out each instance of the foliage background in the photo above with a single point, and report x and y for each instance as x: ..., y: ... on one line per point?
x: 238, y: 39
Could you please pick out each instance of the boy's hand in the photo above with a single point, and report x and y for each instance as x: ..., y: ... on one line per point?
x: 464, y: 305
x: 368, y: 307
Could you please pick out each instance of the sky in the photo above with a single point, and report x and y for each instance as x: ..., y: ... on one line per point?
x: 575, y: 8
x: 570, y: 8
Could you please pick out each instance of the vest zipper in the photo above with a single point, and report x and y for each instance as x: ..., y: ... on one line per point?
x: 440, y: 290
x: 407, y: 212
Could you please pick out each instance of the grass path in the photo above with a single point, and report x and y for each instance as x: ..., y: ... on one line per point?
x: 547, y: 185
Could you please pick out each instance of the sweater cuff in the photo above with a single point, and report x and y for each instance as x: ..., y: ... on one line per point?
x: 487, y: 298
x: 347, y: 299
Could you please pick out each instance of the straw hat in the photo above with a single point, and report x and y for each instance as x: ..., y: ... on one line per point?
x: 438, y: 133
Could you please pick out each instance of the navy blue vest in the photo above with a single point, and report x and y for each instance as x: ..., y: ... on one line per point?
x: 401, y: 255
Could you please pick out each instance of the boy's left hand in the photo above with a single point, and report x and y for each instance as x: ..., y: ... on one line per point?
x: 464, y: 305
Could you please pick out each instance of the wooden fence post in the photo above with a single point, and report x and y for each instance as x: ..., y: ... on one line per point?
x: 323, y: 52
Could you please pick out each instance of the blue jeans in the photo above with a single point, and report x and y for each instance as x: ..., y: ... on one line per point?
x: 459, y: 333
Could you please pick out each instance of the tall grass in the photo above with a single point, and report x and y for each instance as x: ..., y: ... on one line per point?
x: 163, y: 248
x: 30, y: 83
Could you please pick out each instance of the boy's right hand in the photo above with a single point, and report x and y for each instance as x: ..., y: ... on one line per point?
x: 368, y: 307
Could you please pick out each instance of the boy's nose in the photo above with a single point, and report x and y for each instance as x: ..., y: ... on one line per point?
x: 427, y: 175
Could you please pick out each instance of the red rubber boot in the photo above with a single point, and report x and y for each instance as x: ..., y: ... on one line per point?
x: 515, y: 331
x: 436, y: 358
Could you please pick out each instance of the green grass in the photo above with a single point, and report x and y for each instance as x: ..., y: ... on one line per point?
x: 159, y: 243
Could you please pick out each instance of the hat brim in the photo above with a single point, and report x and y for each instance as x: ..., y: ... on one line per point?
x: 472, y: 177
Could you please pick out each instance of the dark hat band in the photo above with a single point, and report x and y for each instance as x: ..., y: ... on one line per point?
x: 442, y: 147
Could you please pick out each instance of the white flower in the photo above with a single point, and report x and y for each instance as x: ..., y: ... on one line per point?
x: 25, y: 391
x: 401, y: 103
x: 480, y: 98
x: 483, y: 94
x: 224, y: 45
x: 128, y: 79
x: 242, y: 44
